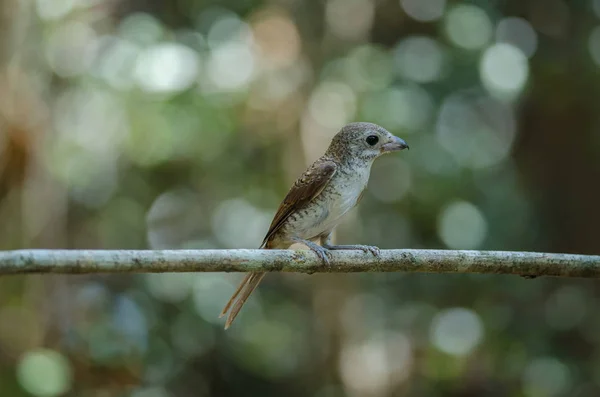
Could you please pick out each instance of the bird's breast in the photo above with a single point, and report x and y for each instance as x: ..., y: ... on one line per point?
x: 327, y: 210
x: 348, y: 188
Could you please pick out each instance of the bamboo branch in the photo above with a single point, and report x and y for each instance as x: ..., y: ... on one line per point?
x: 528, y: 264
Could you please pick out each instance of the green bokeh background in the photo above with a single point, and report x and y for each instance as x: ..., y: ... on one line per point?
x: 153, y: 124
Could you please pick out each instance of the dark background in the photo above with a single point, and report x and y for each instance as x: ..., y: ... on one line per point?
x: 181, y: 124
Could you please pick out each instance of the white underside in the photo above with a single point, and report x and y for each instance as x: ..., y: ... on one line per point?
x: 329, y: 213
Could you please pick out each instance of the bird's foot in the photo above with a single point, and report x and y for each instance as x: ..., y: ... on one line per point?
x: 365, y: 248
x: 322, y: 253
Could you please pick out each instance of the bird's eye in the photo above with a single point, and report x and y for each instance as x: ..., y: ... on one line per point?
x: 372, y: 140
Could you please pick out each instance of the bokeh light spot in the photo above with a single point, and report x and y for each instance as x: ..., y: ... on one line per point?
x: 420, y: 59
x: 350, y: 19
x: 407, y: 108
x: 518, y: 32
x: 462, y: 226
x: 228, y: 28
x: 170, y: 287
x: 424, y: 10
x: 376, y: 365
x: 468, y: 26
x: 477, y: 130
x: 278, y: 40
x: 546, y: 377
x: 71, y: 49
x: 238, y: 224
x: 141, y: 28
x: 116, y: 62
x: 456, y: 331
x: 174, y: 219
x: 44, y: 373
x: 332, y: 104
x: 504, y: 70
x: 368, y: 68
x: 594, y: 45
x: 231, y: 66
x: 167, y: 68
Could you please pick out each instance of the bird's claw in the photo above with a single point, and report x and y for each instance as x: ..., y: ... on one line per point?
x: 323, y: 254
x: 368, y: 248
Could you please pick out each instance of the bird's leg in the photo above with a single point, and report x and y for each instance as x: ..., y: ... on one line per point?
x: 321, y: 252
x: 326, y: 243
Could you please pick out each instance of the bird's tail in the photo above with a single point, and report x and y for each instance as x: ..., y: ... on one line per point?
x: 240, y: 296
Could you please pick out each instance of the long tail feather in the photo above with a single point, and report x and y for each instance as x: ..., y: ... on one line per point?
x: 235, y: 294
x: 244, y: 290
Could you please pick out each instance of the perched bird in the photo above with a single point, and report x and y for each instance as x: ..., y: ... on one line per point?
x: 318, y: 200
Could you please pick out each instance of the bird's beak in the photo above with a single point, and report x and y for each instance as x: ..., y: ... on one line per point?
x: 394, y: 145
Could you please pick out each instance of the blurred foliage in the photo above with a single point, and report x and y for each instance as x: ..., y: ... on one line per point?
x: 157, y: 124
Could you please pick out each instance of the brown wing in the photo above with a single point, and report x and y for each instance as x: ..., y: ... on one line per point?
x: 304, y: 190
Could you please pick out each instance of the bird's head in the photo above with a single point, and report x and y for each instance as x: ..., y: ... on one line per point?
x: 364, y: 141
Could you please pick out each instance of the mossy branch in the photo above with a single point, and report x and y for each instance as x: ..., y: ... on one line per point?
x: 529, y: 264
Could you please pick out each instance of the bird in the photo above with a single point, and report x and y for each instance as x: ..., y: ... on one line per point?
x: 319, y: 199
